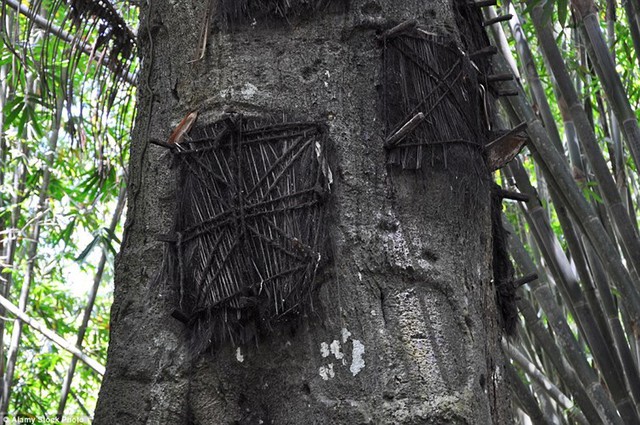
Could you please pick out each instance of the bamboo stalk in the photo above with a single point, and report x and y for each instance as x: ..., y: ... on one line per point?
x: 577, y: 250
x: 533, y: 79
x: 52, y: 336
x: 524, y: 398
x: 625, y: 404
x: 66, y: 384
x: 634, y: 25
x: 557, y: 171
x: 48, y: 26
x: 565, y: 372
x: 609, y: 325
x: 566, y: 280
x: 493, y: 21
x: 597, y: 398
x: 6, y: 255
x: 602, y: 304
x: 605, y: 67
x: 32, y: 250
x: 614, y: 128
x: 618, y: 212
x: 10, y: 243
x: 531, y: 370
x: 620, y: 338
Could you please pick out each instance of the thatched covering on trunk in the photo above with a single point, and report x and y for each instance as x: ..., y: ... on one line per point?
x: 428, y: 78
x: 249, y: 230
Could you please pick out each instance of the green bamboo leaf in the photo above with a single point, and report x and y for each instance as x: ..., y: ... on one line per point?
x: 106, y: 242
x: 23, y: 118
x: 83, y: 255
x: 5, y: 59
x: 66, y: 234
x: 563, y: 12
x: 35, y: 122
x: 111, y: 235
x: 13, y: 108
x: 57, y: 189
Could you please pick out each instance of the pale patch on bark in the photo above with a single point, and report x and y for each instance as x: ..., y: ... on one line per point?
x: 246, y: 92
x: 328, y: 75
x: 239, y: 356
x: 335, y: 349
x: 357, y: 362
x: 324, y: 349
x: 345, y: 334
x: 327, y: 372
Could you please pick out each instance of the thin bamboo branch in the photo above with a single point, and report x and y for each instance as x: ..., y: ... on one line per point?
x: 76, y: 398
x: 557, y: 172
x: 633, y: 20
x: 606, y: 70
x: 498, y: 33
x: 589, y: 385
x: 57, y: 339
x: 567, y: 283
x: 530, y: 369
x: 533, y: 79
x: 66, y: 385
x: 48, y: 26
x: 32, y: 250
x: 617, y: 209
x: 524, y: 398
x: 10, y: 243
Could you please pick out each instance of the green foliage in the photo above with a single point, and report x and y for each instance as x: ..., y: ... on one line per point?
x: 78, y: 181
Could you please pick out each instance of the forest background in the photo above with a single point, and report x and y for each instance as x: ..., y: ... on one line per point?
x: 68, y: 79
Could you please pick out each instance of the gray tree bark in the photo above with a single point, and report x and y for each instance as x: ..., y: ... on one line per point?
x: 406, y: 324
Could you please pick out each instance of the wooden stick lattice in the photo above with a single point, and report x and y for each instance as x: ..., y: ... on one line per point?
x: 249, y: 229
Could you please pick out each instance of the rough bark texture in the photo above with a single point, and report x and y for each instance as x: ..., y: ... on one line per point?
x: 405, y: 325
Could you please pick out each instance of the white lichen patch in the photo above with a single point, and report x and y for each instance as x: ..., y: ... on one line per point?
x: 327, y: 372
x: 324, y: 349
x: 328, y: 75
x: 335, y: 350
x: 345, y: 334
x: 248, y: 90
x: 239, y: 356
x: 357, y: 362
x: 245, y: 92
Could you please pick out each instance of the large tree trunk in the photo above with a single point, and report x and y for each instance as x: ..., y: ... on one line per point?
x: 404, y: 327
